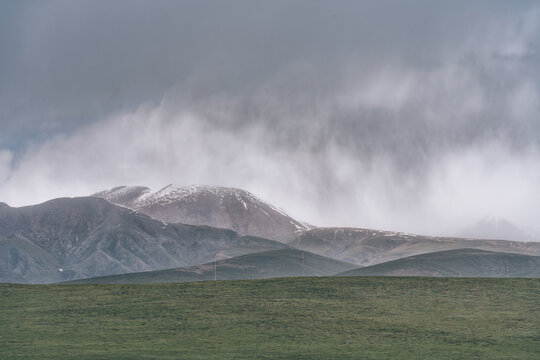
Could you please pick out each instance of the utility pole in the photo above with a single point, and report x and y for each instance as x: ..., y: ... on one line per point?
x: 215, y: 271
x: 303, y: 272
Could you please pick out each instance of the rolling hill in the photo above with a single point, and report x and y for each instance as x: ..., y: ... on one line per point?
x: 268, y: 264
x: 66, y: 239
x: 369, y: 247
x: 456, y: 263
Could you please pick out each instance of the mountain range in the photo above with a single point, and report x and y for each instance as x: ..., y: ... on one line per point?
x: 176, y: 233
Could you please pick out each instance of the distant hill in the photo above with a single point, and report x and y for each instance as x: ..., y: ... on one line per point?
x: 66, y: 238
x: 222, y: 207
x: 368, y: 247
x: 268, y: 264
x: 494, y: 227
x: 456, y: 263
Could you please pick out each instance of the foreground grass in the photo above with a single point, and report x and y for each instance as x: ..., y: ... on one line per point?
x: 292, y: 318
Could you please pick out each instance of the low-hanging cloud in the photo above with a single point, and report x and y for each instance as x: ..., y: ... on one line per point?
x: 395, y: 127
x: 308, y: 171
x: 5, y: 164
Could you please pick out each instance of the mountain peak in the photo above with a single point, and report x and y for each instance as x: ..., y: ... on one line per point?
x: 496, y: 221
x: 174, y: 192
x: 123, y: 195
x: 496, y: 227
x: 216, y: 206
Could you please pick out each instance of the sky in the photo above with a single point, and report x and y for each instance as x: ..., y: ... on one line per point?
x: 415, y: 116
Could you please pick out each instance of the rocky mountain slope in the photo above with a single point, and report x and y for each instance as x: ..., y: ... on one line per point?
x: 368, y: 247
x: 221, y: 207
x: 65, y: 239
x: 456, y: 263
x: 268, y: 264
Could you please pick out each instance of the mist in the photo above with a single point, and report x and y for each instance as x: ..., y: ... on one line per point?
x: 408, y: 116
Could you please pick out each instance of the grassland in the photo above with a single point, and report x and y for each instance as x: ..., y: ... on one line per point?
x: 289, y: 318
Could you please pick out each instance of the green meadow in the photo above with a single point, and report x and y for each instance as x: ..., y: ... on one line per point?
x: 288, y: 318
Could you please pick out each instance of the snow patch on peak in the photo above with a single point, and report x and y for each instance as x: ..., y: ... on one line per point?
x: 495, y: 221
x: 187, y: 190
x: 120, y: 190
x: 123, y: 195
x: 190, y: 193
x: 256, y: 200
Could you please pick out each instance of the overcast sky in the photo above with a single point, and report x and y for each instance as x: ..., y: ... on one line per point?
x: 420, y: 116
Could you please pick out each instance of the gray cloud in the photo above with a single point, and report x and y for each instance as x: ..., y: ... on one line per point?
x: 415, y: 116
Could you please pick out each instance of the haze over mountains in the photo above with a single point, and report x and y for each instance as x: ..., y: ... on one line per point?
x: 128, y: 230
x: 495, y: 227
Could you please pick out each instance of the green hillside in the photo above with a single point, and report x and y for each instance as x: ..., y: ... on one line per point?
x: 292, y: 318
x: 268, y: 264
x: 456, y: 263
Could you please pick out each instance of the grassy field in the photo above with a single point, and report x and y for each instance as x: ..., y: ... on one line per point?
x: 290, y: 318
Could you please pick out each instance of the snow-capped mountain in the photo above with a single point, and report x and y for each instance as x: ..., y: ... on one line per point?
x: 495, y: 227
x: 222, y: 207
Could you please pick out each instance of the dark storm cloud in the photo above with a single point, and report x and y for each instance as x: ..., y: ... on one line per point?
x: 71, y: 62
x: 379, y: 113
